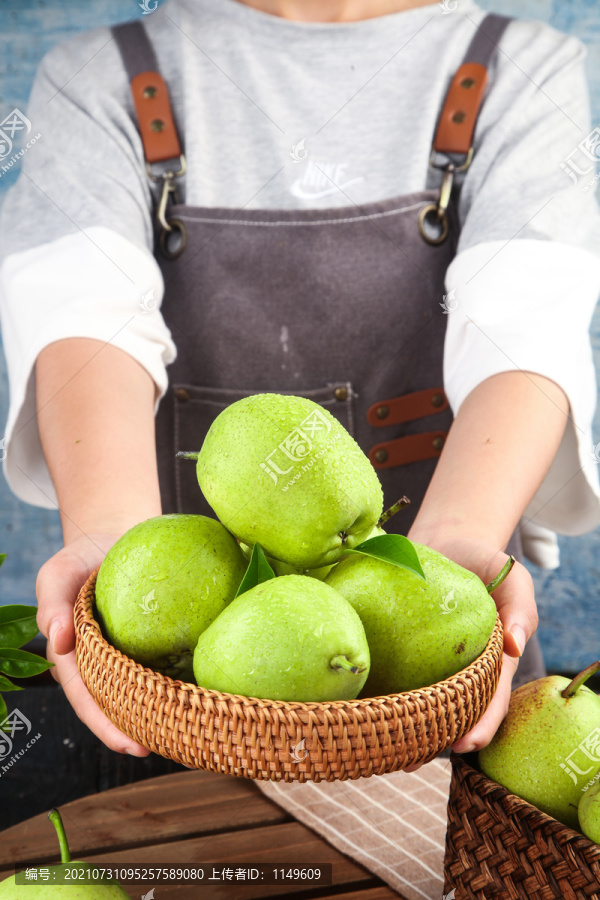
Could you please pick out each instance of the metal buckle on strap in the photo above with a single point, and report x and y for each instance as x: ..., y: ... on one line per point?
x: 167, y: 176
x: 169, y: 191
x: 439, y: 160
x: 158, y: 176
x: 433, y: 220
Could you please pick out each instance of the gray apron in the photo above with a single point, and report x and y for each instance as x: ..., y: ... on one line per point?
x: 339, y: 305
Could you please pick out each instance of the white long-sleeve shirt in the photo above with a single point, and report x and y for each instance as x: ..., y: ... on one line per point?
x: 359, y: 101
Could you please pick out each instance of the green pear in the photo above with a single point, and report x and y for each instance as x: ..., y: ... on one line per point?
x: 419, y: 632
x: 162, y: 583
x: 107, y: 890
x: 281, y: 471
x: 290, y: 638
x: 547, y: 749
x: 589, y: 812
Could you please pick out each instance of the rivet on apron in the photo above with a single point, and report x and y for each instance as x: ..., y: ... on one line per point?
x: 438, y: 443
x: 341, y: 393
x: 182, y: 395
x: 149, y: 92
x: 459, y: 117
x: 468, y: 83
x: 157, y: 125
x: 381, y: 456
x: 382, y: 412
x: 437, y: 400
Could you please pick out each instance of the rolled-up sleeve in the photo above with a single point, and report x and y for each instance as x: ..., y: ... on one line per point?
x: 523, y: 286
x: 77, y: 241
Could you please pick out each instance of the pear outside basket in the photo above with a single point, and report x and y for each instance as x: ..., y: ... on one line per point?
x: 499, y: 847
x: 268, y: 739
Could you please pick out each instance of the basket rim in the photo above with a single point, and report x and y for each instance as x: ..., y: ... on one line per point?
x: 464, y: 766
x: 85, y: 622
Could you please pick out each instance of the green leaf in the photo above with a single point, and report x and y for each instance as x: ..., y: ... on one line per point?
x: 257, y: 572
x: 21, y: 664
x: 394, y: 549
x: 6, y: 685
x: 2, y: 558
x: 17, y: 625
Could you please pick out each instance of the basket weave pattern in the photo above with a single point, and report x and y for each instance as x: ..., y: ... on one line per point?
x: 256, y: 738
x: 499, y: 846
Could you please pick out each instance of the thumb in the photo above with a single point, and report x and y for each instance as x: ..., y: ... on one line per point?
x: 57, y: 586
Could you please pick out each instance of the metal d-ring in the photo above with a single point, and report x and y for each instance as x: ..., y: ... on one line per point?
x: 441, y: 210
x: 176, y: 226
x: 431, y: 214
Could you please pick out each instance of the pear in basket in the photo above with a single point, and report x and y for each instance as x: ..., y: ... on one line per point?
x: 420, y: 630
x: 588, y: 813
x: 289, y: 638
x: 281, y: 471
x: 547, y: 749
x: 162, y: 583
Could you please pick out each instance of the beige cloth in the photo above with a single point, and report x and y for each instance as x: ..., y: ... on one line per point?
x: 394, y: 825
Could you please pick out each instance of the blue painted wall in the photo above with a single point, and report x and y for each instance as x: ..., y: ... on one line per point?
x: 568, y: 598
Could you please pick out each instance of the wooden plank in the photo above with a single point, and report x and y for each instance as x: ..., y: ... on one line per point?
x: 184, y: 804
x: 67, y: 762
x: 288, y: 844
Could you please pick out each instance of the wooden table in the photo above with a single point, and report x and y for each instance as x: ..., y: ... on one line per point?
x: 190, y: 818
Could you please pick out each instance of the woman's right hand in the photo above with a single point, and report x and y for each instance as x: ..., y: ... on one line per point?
x: 58, y: 584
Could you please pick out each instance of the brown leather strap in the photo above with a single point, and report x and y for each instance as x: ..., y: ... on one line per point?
x: 155, y: 119
x: 404, y: 450
x: 407, y: 408
x: 459, y: 114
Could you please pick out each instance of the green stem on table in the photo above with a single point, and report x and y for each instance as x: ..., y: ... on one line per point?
x: 56, y: 820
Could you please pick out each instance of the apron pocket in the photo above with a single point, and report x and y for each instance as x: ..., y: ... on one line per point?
x: 196, y: 408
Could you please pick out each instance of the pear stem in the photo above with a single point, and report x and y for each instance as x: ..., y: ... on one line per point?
x: 187, y: 454
x: 56, y: 820
x: 501, y: 575
x: 572, y: 688
x: 342, y: 662
x: 396, y: 507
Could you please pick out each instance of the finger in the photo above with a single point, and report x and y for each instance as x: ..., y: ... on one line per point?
x: 483, y: 732
x: 67, y: 674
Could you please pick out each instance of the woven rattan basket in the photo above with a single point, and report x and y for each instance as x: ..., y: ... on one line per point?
x: 269, y: 739
x: 499, y: 846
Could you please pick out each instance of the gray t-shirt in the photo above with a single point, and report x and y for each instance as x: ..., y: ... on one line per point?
x: 274, y: 113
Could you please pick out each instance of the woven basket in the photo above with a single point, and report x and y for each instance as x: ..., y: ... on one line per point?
x: 268, y: 739
x: 499, y: 846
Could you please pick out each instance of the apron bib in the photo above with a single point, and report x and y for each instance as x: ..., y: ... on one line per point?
x: 338, y: 305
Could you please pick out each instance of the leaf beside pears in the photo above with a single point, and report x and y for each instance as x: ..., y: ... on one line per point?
x: 392, y: 548
x: 18, y: 624
x: 21, y: 664
x: 257, y: 572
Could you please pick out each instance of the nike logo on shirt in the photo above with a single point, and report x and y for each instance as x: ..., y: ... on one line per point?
x: 321, y: 179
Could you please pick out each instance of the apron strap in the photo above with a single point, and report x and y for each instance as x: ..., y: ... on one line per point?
x: 150, y: 95
x: 458, y: 118
x: 452, y: 148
